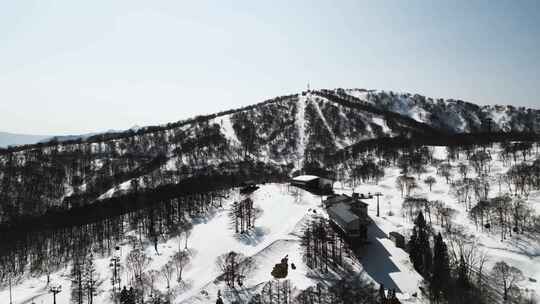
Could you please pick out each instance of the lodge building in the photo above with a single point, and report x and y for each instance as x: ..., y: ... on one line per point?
x: 349, y: 215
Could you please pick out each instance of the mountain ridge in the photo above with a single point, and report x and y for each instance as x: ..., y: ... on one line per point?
x: 288, y: 133
x: 400, y: 103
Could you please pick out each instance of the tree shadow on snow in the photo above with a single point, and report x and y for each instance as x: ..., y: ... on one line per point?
x: 252, y: 237
x: 203, y: 218
x: 178, y: 288
x: 376, y: 260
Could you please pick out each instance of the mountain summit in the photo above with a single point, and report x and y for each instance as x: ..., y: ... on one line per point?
x: 278, y: 136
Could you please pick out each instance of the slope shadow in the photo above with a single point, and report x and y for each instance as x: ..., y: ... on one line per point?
x: 376, y: 260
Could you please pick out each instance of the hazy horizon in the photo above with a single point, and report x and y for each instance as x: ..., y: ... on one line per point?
x: 72, y: 68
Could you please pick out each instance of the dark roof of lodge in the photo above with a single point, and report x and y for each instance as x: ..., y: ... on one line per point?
x: 342, y: 213
x: 342, y: 198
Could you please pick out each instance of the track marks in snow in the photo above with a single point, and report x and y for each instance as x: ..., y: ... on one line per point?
x: 318, y: 109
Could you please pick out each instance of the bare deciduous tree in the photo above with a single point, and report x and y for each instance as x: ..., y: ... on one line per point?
x: 506, y: 277
x: 167, y: 272
x: 180, y: 260
x: 235, y: 267
x: 430, y: 181
x: 137, y: 262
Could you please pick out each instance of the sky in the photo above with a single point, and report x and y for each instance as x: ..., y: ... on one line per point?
x: 71, y: 67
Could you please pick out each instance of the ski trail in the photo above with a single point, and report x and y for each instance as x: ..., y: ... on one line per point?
x: 326, y: 124
x: 301, y: 124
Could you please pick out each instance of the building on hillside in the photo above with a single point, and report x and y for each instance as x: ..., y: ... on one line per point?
x: 335, y: 199
x: 349, y: 214
x: 313, y: 183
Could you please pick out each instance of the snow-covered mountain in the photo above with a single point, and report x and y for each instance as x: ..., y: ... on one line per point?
x: 148, y: 190
x: 454, y: 115
x: 285, y: 133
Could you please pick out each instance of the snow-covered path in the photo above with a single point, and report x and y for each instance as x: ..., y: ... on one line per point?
x: 301, y: 125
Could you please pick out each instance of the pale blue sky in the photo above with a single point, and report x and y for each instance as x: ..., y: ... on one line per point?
x: 82, y: 66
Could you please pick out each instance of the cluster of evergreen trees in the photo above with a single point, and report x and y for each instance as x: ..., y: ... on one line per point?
x: 448, y: 281
x: 128, y: 296
x: 243, y: 215
x: 323, y: 247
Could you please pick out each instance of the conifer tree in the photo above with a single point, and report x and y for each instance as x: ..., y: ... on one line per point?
x: 419, y: 248
x: 440, y: 278
x: 462, y: 277
x: 414, y: 250
x: 77, y: 280
x: 382, y: 294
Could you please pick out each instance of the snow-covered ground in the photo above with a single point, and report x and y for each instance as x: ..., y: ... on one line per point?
x: 521, y: 251
x: 276, y: 235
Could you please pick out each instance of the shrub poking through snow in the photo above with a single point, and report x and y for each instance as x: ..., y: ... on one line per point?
x: 281, y: 270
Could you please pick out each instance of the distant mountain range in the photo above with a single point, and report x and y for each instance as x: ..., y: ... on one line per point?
x: 15, y: 139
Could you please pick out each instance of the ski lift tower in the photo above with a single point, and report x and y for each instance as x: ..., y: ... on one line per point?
x: 55, y: 290
x: 115, y: 265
